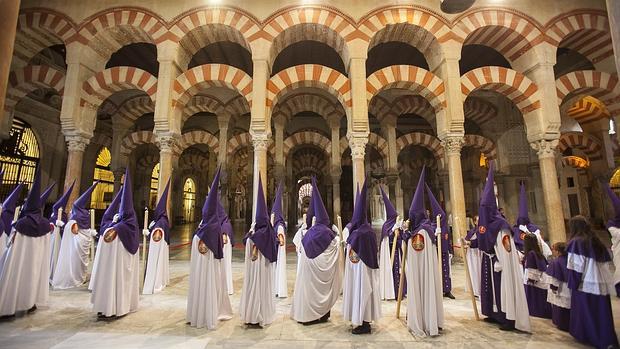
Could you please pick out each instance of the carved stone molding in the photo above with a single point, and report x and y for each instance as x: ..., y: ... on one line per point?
x: 76, y: 143
x: 260, y: 142
x: 358, y: 147
x: 545, y: 148
x: 453, y: 144
x: 166, y: 142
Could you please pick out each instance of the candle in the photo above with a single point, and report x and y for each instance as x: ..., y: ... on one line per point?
x: 92, y: 219
x: 16, y: 214
x: 146, y: 217
x: 59, y: 216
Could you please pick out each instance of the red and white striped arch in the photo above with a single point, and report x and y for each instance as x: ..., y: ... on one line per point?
x: 512, y: 84
x: 204, y: 76
x: 414, y: 104
x: 32, y: 77
x: 478, y: 110
x: 105, y: 83
x: 241, y: 21
x: 147, y: 162
x: 579, y: 140
x: 324, y: 16
x: 509, y: 32
x: 379, y: 107
x: 239, y: 141
x: 37, y: 29
x: 309, y: 75
x: 201, y: 104
x: 134, y: 108
x: 485, y: 145
x: 424, y: 140
x: 417, y: 80
x: 600, y: 85
x: 189, y: 139
x: 102, y: 140
x: 584, y: 31
x: 308, y: 102
x: 193, y: 161
x: 304, y: 138
x: 588, y: 110
x: 237, y: 106
x: 133, y: 140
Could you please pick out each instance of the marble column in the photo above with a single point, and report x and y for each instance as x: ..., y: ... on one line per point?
x: 336, y: 163
x: 452, y: 146
x: 165, y: 119
x: 278, y: 125
x: 223, y: 122
x: 166, y: 143
x: 8, y: 27
x: 358, y: 150
x: 260, y: 142
x: 76, y: 145
x: 551, y: 190
x: 336, y: 192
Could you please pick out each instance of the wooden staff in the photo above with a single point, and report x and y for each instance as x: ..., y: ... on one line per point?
x: 396, y: 232
x: 92, y: 227
x: 339, y: 226
x: 467, y: 274
x: 16, y: 215
x: 146, y: 224
x: 439, y: 246
x: 402, y: 280
x: 59, y: 216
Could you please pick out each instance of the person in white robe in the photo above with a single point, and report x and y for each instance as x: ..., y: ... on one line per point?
x: 361, y: 301
x: 389, y: 228
x: 59, y: 223
x: 524, y: 226
x: 157, y: 275
x: 7, y: 217
x: 319, y: 277
x: 74, y: 255
x: 474, y: 257
x: 257, y: 305
x: 279, y: 225
x: 207, y: 300
x: 116, y: 288
x: 24, y: 266
x: 228, y: 237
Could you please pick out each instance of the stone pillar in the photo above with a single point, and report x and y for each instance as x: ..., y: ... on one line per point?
x: 8, y: 27
x: 278, y: 124
x: 358, y: 150
x: 452, y: 146
x: 613, y: 11
x: 165, y: 119
x: 118, y: 176
x: 336, y: 193
x: 551, y: 189
x: 260, y: 142
x: 444, y: 178
x: 223, y: 121
x: 76, y: 145
x: 166, y: 143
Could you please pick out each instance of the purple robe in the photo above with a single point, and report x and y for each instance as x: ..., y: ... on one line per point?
x: 557, y: 270
x: 396, y: 268
x: 535, y: 289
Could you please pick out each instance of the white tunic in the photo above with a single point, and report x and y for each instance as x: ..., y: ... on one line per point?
x: 157, y: 274
x: 4, y: 238
x: 24, y: 273
x: 512, y: 293
x: 615, y: 248
x: 280, y: 280
x: 228, y: 266
x: 474, y: 262
x: 257, y: 304
x: 299, y: 235
x: 207, y: 300
x: 424, y: 288
x: 318, y: 284
x: 361, y: 299
x: 386, y: 277
x: 116, y: 289
x: 55, y: 240
x: 73, y: 258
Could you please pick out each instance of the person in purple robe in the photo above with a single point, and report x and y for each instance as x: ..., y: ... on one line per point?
x: 279, y: 226
x: 558, y: 294
x: 613, y: 226
x: 228, y: 239
x: 474, y: 257
x: 502, y: 296
x: 58, y: 222
x: 8, y: 215
x: 389, y: 270
x: 534, y: 265
x: 109, y: 218
x: 525, y: 226
x: 44, y: 196
x: 589, y: 267
x: 157, y: 275
x: 446, y: 245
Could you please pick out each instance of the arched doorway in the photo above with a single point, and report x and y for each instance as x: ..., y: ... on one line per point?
x: 189, y: 200
x: 19, y: 156
x: 154, y: 186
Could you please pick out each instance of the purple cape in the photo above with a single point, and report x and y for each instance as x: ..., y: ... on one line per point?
x: 276, y: 210
x: 79, y: 213
x: 108, y: 215
x: 226, y: 226
x: 615, y: 202
x: 362, y: 238
x: 8, y: 209
x: 210, y: 231
x: 490, y: 221
x: 61, y: 203
x: 160, y: 216
x: 319, y: 236
x: 31, y: 221
x: 390, y: 213
x: 127, y: 227
x: 264, y: 237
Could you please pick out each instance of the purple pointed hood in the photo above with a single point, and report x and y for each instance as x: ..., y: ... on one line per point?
x: 390, y: 215
x: 353, y: 223
x: 417, y: 210
x: 61, y: 203
x: 523, y: 218
x: 320, y: 235
x: 276, y: 210
x: 108, y: 215
x: 615, y: 202
x: 264, y: 237
x: 490, y: 221
x: 436, y: 209
x: 362, y: 238
x: 8, y: 209
x: 46, y: 195
x: 160, y: 216
x: 127, y: 227
x: 210, y: 231
x: 226, y: 225
x: 79, y: 212
x: 31, y: 221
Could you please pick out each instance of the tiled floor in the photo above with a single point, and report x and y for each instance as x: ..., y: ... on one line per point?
x: 160, y: 322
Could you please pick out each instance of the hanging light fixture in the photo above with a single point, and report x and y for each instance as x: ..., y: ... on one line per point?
x: 455, y: 6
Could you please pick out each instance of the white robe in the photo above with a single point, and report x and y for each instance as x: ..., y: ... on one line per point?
x: 615, y: 249
x: 474, y: 262
x: 257, y: 304
x: 361, y: 300
x: 116, y: 289
x: 228, y: 266
x: 55, y: 240
x: 207, y: 300
x: 280, y: 280
x: 4, y: 238
x: 299, y: 235
x: 73, y: 258
x: 24, y: 273
x: 424, y: 289
x: 157, y: 272
x: 93, y: 272
x: 318, y: 284
x: 512, y: 293
x: 386, y: 277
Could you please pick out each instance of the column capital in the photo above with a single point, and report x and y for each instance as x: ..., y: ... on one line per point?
x: 545, y: 148
x: 166, y: 141
x: 260, y: 141
x: 76, y: 142
x: 358, y: 146
x: 453, y: 144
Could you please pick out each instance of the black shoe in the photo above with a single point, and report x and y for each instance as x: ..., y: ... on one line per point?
x: 100, y: 316
x: 33, y: 309
x: 489, y: 320
x: 249, y: 325
x: 449, y: 295
x: 363, y: 329
x: 325, y: 317
x: 310, y: 323
x: 507, y: 327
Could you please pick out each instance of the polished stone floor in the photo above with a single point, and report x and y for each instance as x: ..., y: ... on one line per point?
x: 67, y: 322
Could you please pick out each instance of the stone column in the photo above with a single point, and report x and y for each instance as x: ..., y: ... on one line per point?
x: 444, y: 177
x: 260, y: 142
x: 389, y: 130
x: 76, y: 145
x: 452, y: 146
x: 118, y: 176
x: 165, y: 119
x: 166, y: 143
x: 358, y: 150
x: 551, y: 190
x: 8, y: 27
x: 278, y: 124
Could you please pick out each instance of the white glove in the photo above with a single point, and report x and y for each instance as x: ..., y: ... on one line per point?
x: 116, y: 218
x: 523, y: 228
x: 397, y: 225
x: 145, y: 232
x: 151, y: 224
x: 497, y: 267
x: 92, y: 232
x: 437, y: 232
x: 60, y: 223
